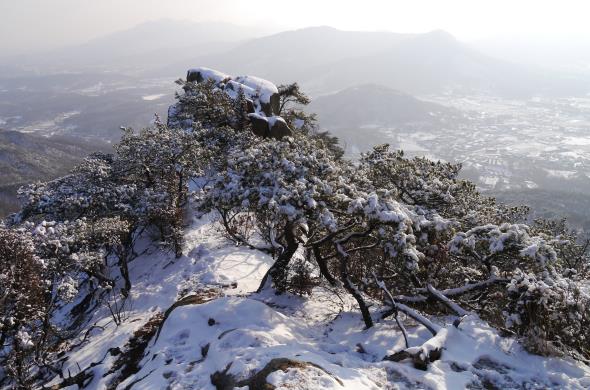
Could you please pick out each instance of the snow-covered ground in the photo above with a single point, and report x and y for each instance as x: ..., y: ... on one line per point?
x: 230, y: 329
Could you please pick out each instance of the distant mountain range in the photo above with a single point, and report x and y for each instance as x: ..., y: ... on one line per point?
x: 295, y: 55
x: 145, y: 46
x: 322, y: 59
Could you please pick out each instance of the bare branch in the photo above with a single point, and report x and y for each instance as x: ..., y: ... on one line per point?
x: 457, y: 291
x: 418, y: 317
x: 394, y: 307
x: 450, y: 304
x: 331, y: 235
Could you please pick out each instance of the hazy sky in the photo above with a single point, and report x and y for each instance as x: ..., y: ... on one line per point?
x: 40, y: 24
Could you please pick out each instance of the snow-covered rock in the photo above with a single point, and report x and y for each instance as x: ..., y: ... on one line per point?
x: 262, y: 92
x: 273, y: 126
x: 202, y: 73
x: 262, y: 97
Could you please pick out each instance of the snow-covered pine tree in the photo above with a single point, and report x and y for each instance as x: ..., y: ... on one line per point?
x: 389, y: 224
x: 400, y: 235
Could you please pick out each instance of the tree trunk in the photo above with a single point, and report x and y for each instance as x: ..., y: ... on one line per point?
x: 351, y: 288
x: 123, y: 254
x: 323, y: 264
x: 278, y: 273
x: 124, y: 268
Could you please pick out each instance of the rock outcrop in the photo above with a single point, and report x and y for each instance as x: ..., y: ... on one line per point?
x: 273, y: 126
x: 262, y: 96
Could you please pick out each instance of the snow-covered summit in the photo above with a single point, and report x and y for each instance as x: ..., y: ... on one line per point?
x: 262, y: 97
x: 256, y: 89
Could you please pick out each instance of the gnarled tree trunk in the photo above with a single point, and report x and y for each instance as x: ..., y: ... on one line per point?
x: 279, y: 271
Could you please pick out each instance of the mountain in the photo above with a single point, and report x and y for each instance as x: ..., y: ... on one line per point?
x: 292, y: 55
x: 373, y: 105
x: 427, y: 63
x: 218, y: 333
x: 322, y: 58
x: 370, y: 114
x: 325, y: 59
x: 146, y: 45
x: 25, y: 158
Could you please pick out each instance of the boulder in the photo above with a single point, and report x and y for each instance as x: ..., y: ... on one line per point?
x: 275, y: 103
x: 192, y: 75
x: 263, y: 92
x: 274, y: 127
x: 202, y: 73
x: 266, y: 108
x: 279, y: 128
x: 250, y: 108
x: 272, y: 106
x: 260, y: 125
x: 262, y: 99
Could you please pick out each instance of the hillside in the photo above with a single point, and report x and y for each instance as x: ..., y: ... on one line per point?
x: 25, y: 158
x: 364, y: 116
x: 374, y: 105
x: 214, y: 322
x: 432, y: 63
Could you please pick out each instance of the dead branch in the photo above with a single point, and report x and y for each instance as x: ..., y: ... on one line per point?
x: 457, y: 291
x: 447, y: 302
x: 418, y: 318
x: 238, y: 239
x: 394, y: 308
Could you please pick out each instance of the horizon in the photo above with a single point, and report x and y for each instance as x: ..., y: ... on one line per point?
x: 56, y: 22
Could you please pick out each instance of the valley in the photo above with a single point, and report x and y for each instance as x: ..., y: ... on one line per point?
x: 534, y: 151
